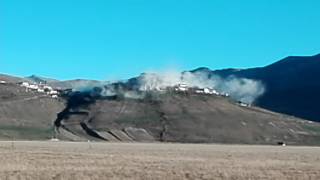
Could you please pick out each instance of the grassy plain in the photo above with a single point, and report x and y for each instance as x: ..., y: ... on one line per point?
x: 88, y: 160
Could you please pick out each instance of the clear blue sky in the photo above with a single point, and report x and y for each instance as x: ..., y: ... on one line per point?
x: 109, y: 39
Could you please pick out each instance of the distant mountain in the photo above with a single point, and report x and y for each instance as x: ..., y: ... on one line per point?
x: 10, y: 79
x: 75, y: 84
x: 68, y: 84
x: 39, y: 79
x: 292, y: 85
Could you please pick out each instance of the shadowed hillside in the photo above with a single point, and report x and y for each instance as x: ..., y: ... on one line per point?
x: 292, y: 85
x: 180, y: 117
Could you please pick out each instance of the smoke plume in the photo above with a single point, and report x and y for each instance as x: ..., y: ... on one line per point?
x: 241, y: 89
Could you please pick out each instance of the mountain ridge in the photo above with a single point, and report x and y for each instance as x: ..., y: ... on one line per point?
x: 293, y: 77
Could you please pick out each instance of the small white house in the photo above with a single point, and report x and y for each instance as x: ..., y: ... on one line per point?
x: 3, y: 82
x: 41, y: 90
x: 54, y: 96
x: 207, y: 91
x: 199, y: 91
x: 225, y: 94
x: 33, y: 86
x: 215, y: 92
x: 25, y: 84
x: 53, y: 92
x: 182, y: 87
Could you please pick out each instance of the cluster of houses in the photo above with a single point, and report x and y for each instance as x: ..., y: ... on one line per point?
x: 41, y: 88
x: 188, y: 89
x: 208, y: 91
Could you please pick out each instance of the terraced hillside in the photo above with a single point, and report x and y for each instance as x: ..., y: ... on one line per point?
x: 179, y: 117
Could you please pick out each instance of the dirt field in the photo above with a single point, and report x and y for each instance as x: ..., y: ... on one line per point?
x: 87, y: 160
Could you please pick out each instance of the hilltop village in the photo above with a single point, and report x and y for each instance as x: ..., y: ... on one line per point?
x: 205, y: 91
x: 182, y: 87
x: 40, y: 88
x: 185, y: 88
x: 54, y: 93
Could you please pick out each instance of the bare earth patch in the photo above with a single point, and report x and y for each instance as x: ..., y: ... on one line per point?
x: 87, y: 160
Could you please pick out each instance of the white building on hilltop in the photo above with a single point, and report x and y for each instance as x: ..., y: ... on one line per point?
x: 206, y: 91
x: 41, y: 89
x: 33, y: 87
x: 181, y: 87
x: 53, y: 92
x: 210, y: 91
x: 25, y: 84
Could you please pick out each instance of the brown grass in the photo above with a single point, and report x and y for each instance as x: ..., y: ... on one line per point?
x: 66, y: 160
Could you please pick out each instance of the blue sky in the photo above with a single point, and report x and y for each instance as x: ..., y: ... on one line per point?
x: 117, y: 39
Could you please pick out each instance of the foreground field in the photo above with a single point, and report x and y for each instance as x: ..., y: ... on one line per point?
x: 73, y: 160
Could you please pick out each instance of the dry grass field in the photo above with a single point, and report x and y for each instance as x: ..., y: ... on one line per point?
x: 84, y: 160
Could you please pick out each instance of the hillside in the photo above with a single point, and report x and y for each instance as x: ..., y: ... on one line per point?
x: 152, y: 116
x: 131, y: 111
x: 179, y: 117
x: 26, y: 115
x: 291, y: 85
x: 10, y: 79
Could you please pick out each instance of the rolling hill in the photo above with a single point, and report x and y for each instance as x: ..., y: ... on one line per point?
x: 178, y: 117
x: 127, y: 114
